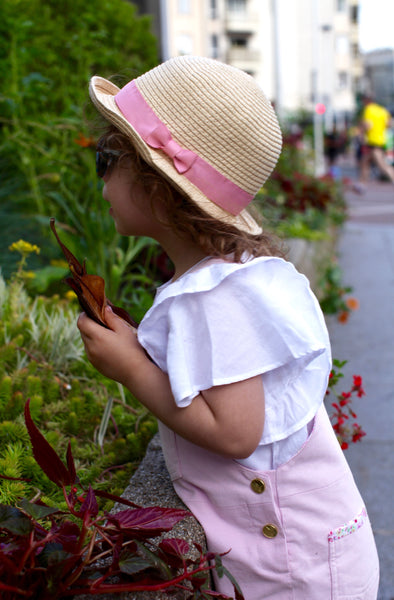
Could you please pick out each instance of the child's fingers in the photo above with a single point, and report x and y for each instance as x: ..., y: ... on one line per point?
x: 115, y: 322
x: 86, y: 326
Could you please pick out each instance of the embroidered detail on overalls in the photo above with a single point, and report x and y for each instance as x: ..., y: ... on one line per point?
x: 348, y: 528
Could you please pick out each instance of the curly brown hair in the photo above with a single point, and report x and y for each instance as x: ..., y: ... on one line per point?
x: 214, y: 237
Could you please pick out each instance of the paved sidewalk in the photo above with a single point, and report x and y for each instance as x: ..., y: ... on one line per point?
x: 366, y: 257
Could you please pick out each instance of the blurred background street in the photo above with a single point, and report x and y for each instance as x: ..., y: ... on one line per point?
x: 366, y: 257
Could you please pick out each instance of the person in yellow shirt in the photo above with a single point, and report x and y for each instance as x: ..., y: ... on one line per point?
x: 375, y: 120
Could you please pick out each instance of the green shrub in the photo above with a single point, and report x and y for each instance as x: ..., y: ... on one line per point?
x: 48, y: 52
x: 67, y: 398
x: 295, y: 203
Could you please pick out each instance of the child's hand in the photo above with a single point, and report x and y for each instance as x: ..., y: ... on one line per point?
x: 114, y: 352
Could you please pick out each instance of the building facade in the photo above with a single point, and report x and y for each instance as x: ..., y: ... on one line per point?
x: 379, y: 76
x: 302, y: 52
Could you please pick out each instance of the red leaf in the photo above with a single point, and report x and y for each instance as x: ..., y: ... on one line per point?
x: 67, y: 535
x: 10, y: 588
x: 148, y: 521
x: 175, y: 547
x: 14, y: 478
x: 8, y: 564
x: 119, y: 499
x: 90, y: 289
x: 89, y: 505
x: 45, y: 455
x: 71, y: 464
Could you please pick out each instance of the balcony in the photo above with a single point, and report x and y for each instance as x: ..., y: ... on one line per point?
x: 241, y: 22
x: 243, y: 58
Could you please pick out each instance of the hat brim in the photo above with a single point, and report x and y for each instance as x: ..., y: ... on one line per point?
x: 102, y: 93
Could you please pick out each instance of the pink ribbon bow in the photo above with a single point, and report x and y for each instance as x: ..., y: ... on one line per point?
x: 160, y: 138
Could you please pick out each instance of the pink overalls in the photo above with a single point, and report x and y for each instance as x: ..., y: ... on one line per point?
x: 300, y: 532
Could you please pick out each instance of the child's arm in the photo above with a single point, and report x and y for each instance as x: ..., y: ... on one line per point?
x: 226, y: 419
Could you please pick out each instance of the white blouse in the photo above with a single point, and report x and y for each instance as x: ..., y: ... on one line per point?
x: 223, y: 322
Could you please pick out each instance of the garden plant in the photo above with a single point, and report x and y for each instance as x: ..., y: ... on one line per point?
x: 343, y: 417
x: 48, y: 131
x: 49, y: 554
x: 42, y: 358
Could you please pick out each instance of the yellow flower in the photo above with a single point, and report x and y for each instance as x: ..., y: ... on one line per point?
x: 24, y: 247
x: 70, y: 295
x: 29, y: 274
x: 59, y: 262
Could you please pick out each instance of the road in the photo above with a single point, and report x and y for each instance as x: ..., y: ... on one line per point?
x: 366, y: 257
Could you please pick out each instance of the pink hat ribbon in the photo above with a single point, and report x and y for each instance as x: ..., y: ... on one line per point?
x: 153, y: 131
x: 161, y: 138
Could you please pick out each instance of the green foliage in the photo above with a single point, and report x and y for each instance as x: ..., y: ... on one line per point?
x: 295, y: 203
x: 41, y: 358
x: 48, y: 52
x: 333, y: 291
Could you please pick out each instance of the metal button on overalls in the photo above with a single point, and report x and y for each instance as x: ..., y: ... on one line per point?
x: 270, y: 531
x: 257, y: 486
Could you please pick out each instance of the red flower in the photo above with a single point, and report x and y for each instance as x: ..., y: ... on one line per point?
x: 342, y: 417
x: 84, y: 142
x: 343, y: 316
x: 357, y: 385
x: 352, y: 303
x: 357, y: 380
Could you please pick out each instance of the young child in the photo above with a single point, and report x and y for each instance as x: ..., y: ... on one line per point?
x: 239, y: 352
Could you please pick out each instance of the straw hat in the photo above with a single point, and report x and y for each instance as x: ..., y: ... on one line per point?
x: 205, y: 126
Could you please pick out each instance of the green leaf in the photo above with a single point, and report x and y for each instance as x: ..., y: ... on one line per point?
x: 37, y: 511
x: 219, y: 566
x: 53, y: 554
x: 14, y: 521
x: 104, y: 422
x: 237, y: 589
x: 339, y: 363
x: 132, y: 564
x: 154, y: 561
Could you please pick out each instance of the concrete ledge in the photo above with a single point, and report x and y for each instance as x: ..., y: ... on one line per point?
x: 311, y: 257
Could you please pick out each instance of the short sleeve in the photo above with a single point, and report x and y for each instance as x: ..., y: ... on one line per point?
x: 230, y: 323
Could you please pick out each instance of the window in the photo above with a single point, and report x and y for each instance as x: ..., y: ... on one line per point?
x: 341, y: 5
x: 354, y: 13
x: 213, y: 8
x: 238, y: 6
x: 342, y: 80
x: 184, y: 44
x: 214, y: 46
x: 238, y: 42
x: 342, y: 44
x: 184, y: 7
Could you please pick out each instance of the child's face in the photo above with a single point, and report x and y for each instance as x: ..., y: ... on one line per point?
x: 130, y: 205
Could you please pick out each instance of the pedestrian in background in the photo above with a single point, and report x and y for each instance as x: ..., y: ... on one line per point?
x: 375, y: 120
